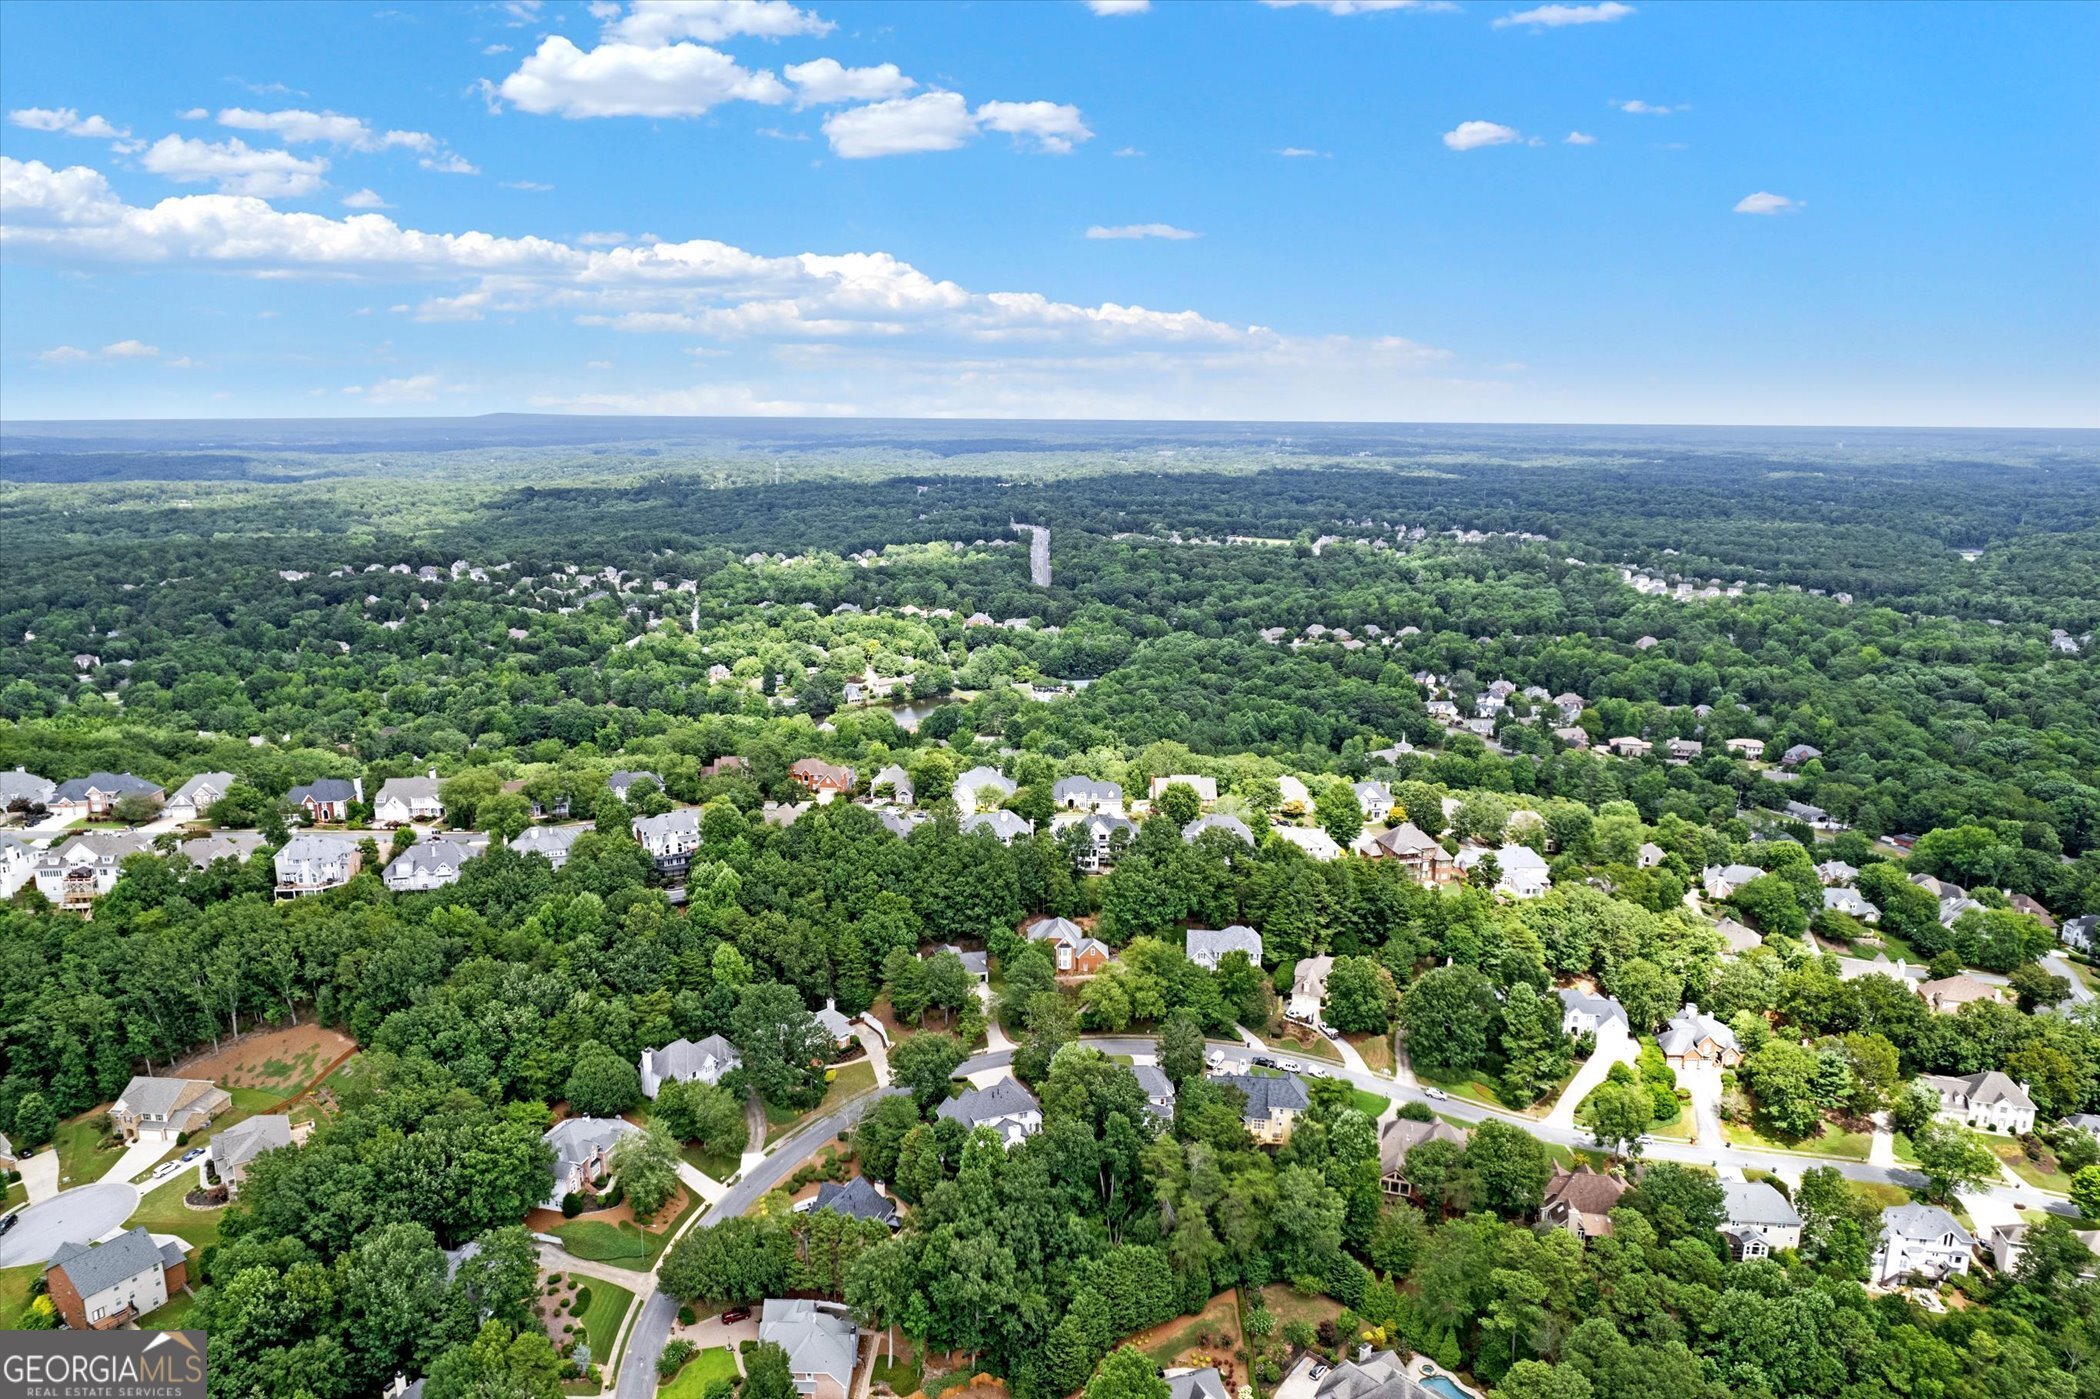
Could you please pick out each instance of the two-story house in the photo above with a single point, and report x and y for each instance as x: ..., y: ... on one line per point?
x: 1756, y: 1220
x: 1920, y: 1239
x: 402, y: 801
x: 97, y: 1287
x: 74, y: 871
x: 1005, y: 1107
x: 1072, y: 948
x: 824, y: 781
x: 195, y: 797
x: 312, y: 863
x: 1987, y: 1102
x: 687, y: 1061
x: 670, y: 838
x: 169, y: 1106
x: 327, y: 801
x: 1207, y: 947
x: 1274, y: 1103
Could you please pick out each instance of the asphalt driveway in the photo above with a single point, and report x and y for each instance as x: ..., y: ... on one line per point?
x: 76, y: 1216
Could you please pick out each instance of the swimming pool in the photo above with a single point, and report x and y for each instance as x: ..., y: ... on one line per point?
x: 1444, y: 1385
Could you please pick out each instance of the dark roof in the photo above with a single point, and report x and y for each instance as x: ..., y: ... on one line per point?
x: 856, y: 1199
x: 118, y: 783
x: 1267, y: 1094
x: 92, y: 1268
x: 327, y: 789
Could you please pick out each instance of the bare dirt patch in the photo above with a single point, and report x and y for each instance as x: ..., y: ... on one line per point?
x: 273, y: 1061
x: 1210, y: 1337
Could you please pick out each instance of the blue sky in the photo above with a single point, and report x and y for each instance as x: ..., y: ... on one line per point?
x: 1575, y: 212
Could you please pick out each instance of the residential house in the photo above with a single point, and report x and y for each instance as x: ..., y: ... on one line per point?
x: 1588, y: 1012
x: 722, y: 766
x: 327, y: 800
x: 981, y: 788
x: 204, y: 851
x: 1581, y: 1201
x: 1206, y: 788
x: 583, y: 1149
x: 822, y: 780
x: 1218, y: 821
x: 625, y: 780
x: 1375, y: 798
x: 1987, y: 1102
x: 403, y: 800
x: 1649, y: 855
x: 1273, y: 1103
x: 17, y: 866
x: 1570, y: 706
x: 311, y: 864
x: 432, y: 864
x: 1522, y: 870
x: 1006, y: 1108
x: 1292, y: 795
x: 169, y: 1106
x: 1087, y: 794
x: 1101, y: 829
x: 821, y: 1342
x: 670, y: 838
x: 1851, y: 903
x: 1207, y: 947
x: 74, y: 871
x: 1075, y: 952
x: 1757, y: 1220
x: 894, y: 785
x: 2020, y: 903
x: 1309, y: 988
x: 22, y: 790
x: 1157, y: 1088
x: 195, y: 797
x: 550, y: 842
x: 1920, y: 1239
x: 1737, y: 939
x: 1950, y: 993
x: 977, y: 964
x: 1836, y: 872
x: 1693, y: 1038
x: 93, y: 797
x: 2082, y: 933
x: 856, y: 1199
x: 233, y: 1148
x: 95, y: 1287
x: 1800, y: 753
x: 1002, y: 824
x: 1575, y: 738
x: 7, y: 1153
x: 1682, y: 750
x: 835, y: 1024
x: 1316, y: 843
x: 1377, y: 1375
x: 2086, y: 1122
x: 1721, y: 881
x: 1400, y: 1136
x: 1424, y: 859
x: 684, y: 1061
x: 1628, y: 746
x: 1748, y: 749
x: 1206, y: 1383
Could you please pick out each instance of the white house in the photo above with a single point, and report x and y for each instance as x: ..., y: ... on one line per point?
x: 1002, y: 823
x: 1850, y: 901
x: 687, y: 1062
x: 74, y: 871
x: 1101, y: 828
x: 1218, y: 821
x: 1316, y: 843
x: 1585, y: 1013
x: 1087, y: 794
x: 310, y: 863
x: 1522, y: 870
x: 1722, y: 881
x: 403, y: 800
x: 1005, y: 1107
x: 1206, y: 788
x: 1309, y: 988
x: 551, y: 842
x: 17, y: 866
x: 1757, y: 1220
x: 1375, y: 798
x: 432, y: 864
x: 670, y: 838
x: 983, y: 787
x: 821, y: 1342
x: 1988, y: 1102
x: 1921, y: 1239
x: 1207, y: 947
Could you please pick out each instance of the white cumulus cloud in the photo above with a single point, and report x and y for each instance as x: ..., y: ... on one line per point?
x: 1765, y: 202
x: 1472, y: 135
x: 1357, y: 7
x: 66, y: 122
x: 234, y: 167
x: 1579, y: 138
x: 295, y: 127
x: 66, y: 354
x: 130, y: 349
x: 634, y: 80
x: 710, y: 21
x: 1055, y: 126
x: 1141, y: 230
x: 932, y: 121
x: 1646, y: 109
x: 1119, y: 7
x: 824, y: 81
x: 1560, y: 16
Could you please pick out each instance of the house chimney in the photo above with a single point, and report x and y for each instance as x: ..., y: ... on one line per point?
x: 433, y: 774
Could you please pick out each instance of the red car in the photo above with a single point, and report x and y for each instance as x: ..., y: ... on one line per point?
x: 736, y: 1314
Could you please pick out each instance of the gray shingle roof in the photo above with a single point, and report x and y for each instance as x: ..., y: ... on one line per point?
x: 119, y: 784
x: 326, y: 789
x: 1924, y: 1222
x: 818, y: 1342
x: 93, y: 1268
x: 1267, y: 1095
x: 1006, y: 1098
x: 1209, y: 945
x: 1217, y: 821
x: 856, y: 1199
x: 1197, y: 1384
x: 1755, y: 1202
x: 244, y: 1141
x: 1605, y: 1008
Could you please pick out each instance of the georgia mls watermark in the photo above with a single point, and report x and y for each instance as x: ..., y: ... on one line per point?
x: 102, y: 1364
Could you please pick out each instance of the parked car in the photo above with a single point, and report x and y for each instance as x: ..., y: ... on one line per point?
x: 193, y: 1153
x: 1437, y: 1093
x: 166, y: 1169
x: 8, y: 1223
x: 1263, y: 1061
x: 736, y: 1314
x: 1289, y: 1066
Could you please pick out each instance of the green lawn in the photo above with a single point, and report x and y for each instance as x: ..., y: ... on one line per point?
x: 14, y: 1294
x: 902, y: 1374
x: 717, y: 1166
x: 2042, y: 1175
x: 706, y: 1366
x: 162, y: 1212
x: 1568, y: 1157
x: 1474, y: 1087
x: 601, y: 1319
x: 1677, y: 1130
x: 1370, y: 1104
x: 14, y: 1195
x: 1375, y: 1050
x: 623, y: 1245
x: 1842, y: 1145
x: 78, y: 1160
x: 848, y: 1082
x: 171, y: 1317
x: 1904, y: 1151
x: 1881, y: 1193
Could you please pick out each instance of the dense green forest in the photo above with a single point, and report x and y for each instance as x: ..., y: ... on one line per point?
x: 302, y: 613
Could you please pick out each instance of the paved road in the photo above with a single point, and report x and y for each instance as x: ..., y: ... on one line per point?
x: 76, y: 1216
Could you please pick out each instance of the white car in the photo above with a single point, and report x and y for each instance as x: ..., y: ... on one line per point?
x: 1437, y: 1093
x: 166, y: 1169
x: 1214, y: 1058
x: 1289, y: 1066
